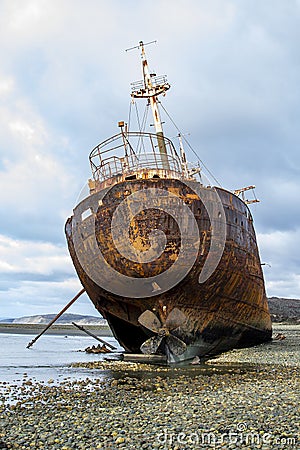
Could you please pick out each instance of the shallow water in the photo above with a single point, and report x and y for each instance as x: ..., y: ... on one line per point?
x: 49, y: 358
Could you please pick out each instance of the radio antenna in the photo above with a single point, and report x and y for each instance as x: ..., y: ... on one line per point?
x: 138, y: 46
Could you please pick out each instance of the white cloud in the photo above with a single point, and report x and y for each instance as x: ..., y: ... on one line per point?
x: 288, y: 287
x: 35, y: 175
x: 37, y: 278
x: 6, y: 86
x: 26, y: 132
x: 35, y: 258
x: 34, y: 297
x: 280, y: 249
x: 279, y: 242
x: 64, y: 84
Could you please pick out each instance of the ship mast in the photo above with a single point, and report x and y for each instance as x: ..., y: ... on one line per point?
x: 152, y: 86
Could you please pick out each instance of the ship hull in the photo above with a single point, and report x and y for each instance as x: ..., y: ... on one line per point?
x: 225, y: 310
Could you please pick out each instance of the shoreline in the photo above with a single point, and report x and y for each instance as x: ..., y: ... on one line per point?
x: 60, y: 330
x: 99, y: 330
x: 244, y: 398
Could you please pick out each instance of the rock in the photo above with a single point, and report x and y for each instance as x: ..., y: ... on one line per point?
x: 128, y: 405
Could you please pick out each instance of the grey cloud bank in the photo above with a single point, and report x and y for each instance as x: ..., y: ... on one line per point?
x: 234, y: 69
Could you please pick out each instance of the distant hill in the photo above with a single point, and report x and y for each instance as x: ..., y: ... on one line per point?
x: 284, y: 309
x: 281, y: 309
x: 63, y: 320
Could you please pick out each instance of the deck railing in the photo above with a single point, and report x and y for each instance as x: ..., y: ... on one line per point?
x: 127, y: 153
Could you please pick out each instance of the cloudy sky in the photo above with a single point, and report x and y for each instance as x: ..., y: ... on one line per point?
x: 234, y: 69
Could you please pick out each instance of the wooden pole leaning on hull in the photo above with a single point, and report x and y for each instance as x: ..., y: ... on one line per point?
x: 56, y: 317
x: 94, y: 336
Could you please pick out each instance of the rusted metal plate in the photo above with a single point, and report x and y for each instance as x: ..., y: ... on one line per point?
x: 229, y: 309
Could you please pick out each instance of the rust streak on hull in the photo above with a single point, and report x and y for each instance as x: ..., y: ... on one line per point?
x: 228, y: 310
x: 173, y: 265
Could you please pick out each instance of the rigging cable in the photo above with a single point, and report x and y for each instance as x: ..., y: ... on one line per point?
x: 189, y: 145
x: 140, y: 142
x: 129, y: 115
x: 137, y: 116
x: 142, y: 130
x: 145, y: 117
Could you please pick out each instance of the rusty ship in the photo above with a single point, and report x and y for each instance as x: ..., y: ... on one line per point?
x: 170, y: 262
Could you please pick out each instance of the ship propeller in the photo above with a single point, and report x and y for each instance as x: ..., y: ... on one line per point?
x: 163, y: 331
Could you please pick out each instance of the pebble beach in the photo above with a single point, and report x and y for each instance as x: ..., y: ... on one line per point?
x: 247, y: 398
